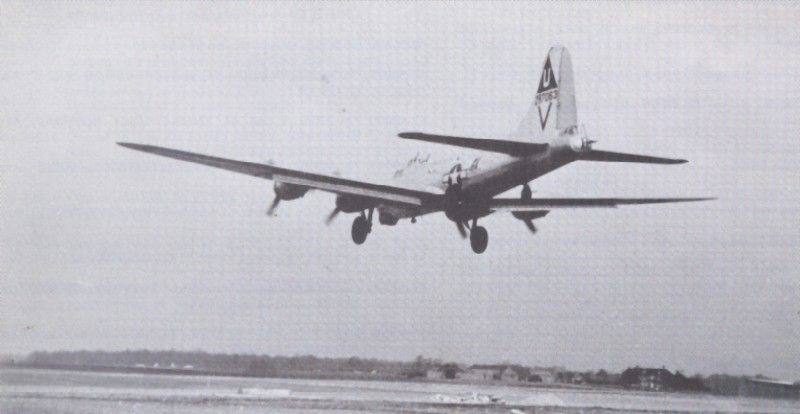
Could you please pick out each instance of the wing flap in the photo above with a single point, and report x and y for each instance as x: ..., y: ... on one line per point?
x: 515, y: 148
x: 352, y: 187
x: 609, y: 156
x: 327, y: 183
x: 535, y: 204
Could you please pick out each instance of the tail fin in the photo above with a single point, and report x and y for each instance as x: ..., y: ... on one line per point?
x: 554, y: 110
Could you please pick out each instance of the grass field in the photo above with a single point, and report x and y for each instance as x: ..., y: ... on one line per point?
x: 46, y: 391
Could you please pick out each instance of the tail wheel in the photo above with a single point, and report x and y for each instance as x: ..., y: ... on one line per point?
x: 478, y: 239
x: 360, y: 230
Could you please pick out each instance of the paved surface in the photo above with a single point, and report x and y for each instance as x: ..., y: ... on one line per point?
x: 44, y: 391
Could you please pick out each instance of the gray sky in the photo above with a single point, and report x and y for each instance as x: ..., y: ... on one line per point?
x: 105, y: 248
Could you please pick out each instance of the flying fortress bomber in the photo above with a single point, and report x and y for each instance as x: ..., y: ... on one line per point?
x: 548, y: 138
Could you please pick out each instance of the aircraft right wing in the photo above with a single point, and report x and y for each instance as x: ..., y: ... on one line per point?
x: 327, y: 183
x: 536, y: 204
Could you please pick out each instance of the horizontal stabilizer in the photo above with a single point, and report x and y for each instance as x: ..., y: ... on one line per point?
x: 514, y: 148
x: 608, y: 156
x: 516, y: 204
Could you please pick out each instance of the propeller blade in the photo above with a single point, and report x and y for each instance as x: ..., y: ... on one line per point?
x: 332, y: 216
x: 271, y: 209
x: 529, y: 224
x: 461, y: 229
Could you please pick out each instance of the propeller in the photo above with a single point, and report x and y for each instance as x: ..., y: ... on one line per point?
x: 271, y: 209
x: 527, y: 217
x: 529, y: 224
x: 461, y: 229
x: 332, y: 216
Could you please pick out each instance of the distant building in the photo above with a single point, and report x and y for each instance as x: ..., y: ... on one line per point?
x: 434, y: 373
x: 649, y: 379
x: 542, y: 375
x: 659, y: 379
x: 475, y: 375
x: 505, y: 373
x: 487, y: 372
x: 570, y: 377
x: 653, y: 379
x: 768, y: 388
x: 509, y: 374
x: 600, y: 377
x: 445, y: 371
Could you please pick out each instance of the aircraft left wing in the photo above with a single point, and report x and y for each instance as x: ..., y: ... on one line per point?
x: 535, y: 204
x: 327, y: 183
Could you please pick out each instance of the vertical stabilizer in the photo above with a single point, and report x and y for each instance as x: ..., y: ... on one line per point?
x: 553, y: 109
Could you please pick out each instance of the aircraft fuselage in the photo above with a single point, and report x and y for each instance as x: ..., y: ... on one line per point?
x: 481, y: 177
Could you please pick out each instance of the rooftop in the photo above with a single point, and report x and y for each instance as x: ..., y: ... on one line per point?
x: 771, y: 381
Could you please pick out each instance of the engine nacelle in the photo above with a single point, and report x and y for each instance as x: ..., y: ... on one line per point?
x: 387, y: 219
x: 460, y: 207
x: 353, y: 203
x: 286, y: 191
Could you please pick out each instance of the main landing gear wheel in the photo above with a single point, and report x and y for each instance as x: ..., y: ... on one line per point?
x: 478, y: 239
x: 360, y: 230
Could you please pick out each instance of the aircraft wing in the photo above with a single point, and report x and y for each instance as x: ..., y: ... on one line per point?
x: 327, y: 183
x: 515, y: 148
x: 535, y: 204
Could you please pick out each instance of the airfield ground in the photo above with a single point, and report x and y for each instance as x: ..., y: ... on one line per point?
x: 49, y: 391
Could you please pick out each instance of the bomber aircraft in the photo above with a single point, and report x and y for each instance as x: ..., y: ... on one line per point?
x: 548, y: 138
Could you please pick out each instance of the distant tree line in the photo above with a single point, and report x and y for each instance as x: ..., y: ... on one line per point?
x: 352, y: 367
x: 238, y: 364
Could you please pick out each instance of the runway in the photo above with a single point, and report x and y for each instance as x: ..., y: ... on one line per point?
x: 47, y: 391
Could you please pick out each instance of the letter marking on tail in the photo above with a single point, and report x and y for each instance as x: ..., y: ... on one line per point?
x: 543, y: 121
x: 546, y: 77
x: 547, y: 82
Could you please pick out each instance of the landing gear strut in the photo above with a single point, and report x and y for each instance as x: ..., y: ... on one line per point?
x: 478, y: 237
x: 459, y: 208
x: 362, y: 226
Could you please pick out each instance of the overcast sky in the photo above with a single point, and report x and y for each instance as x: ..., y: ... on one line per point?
x: 106, y: 248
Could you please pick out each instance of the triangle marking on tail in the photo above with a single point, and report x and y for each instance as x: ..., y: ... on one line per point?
x: 547, y: 92
x: 543, y: 121
x: 548, y: 81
